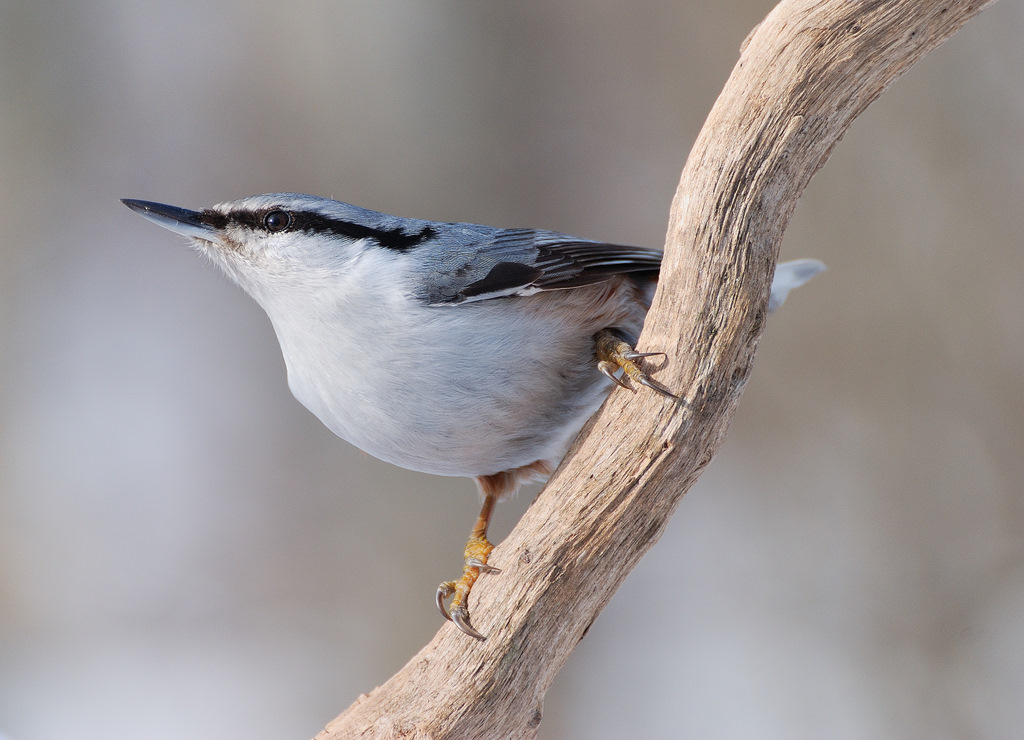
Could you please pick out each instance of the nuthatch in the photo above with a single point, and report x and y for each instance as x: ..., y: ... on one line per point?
x: 447, y: 348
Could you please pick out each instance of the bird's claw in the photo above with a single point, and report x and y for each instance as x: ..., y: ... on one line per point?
x: 477, y: 550
x: 460, y: 618
x: 459, y: 615
x: 614, y: 354
x: 634, y: 355
x: 610, y: 368
x: 482, y: 565
x: 445, y: 590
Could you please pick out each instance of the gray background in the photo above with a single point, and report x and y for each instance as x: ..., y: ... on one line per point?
x: 186, y: 553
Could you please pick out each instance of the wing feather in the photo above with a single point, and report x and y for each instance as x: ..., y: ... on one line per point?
x: 479, y: 263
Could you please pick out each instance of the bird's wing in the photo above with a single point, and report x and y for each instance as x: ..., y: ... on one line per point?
x: 510, y: 262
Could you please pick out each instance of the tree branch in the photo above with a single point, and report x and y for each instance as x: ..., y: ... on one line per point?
x: 804, y: 74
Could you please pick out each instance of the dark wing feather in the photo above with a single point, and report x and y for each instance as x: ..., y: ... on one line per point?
x: 479, y: 263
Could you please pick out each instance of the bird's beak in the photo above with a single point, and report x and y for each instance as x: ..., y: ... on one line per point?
x: 179, y: 220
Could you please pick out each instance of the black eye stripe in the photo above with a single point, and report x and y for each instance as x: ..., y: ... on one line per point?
x: 315, y: 223
x: 396, y: 238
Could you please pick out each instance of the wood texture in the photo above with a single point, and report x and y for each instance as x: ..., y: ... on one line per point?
x: 804, y: 74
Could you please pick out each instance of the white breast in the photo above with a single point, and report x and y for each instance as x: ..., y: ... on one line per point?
x: 463, y: 390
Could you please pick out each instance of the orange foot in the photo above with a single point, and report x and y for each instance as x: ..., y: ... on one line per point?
x: 614, y: 353
x: 477, y: 550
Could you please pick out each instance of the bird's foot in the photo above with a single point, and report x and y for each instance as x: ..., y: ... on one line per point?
x: 615, y: 353
x: 477, y: 550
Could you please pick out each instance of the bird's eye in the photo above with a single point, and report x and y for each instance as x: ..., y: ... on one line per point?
x: 277, y: 221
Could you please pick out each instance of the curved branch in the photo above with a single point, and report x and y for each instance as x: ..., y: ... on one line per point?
x: 804, y: 74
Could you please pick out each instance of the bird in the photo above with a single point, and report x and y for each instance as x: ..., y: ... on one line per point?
x: 454, y: 349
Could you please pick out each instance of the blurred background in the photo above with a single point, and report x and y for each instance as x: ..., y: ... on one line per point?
x: 185, y: 552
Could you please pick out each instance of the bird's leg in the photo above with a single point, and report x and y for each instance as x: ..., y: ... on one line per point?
x: 477, y: 549
x: 615, y: 353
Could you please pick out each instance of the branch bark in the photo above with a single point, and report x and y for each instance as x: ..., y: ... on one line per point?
x: 804, y: 74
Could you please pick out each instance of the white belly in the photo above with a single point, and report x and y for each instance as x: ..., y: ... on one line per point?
x: 463, y: 390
